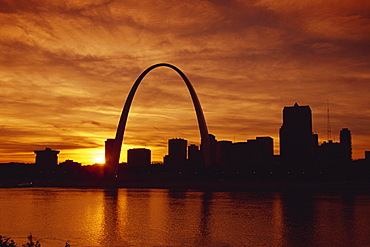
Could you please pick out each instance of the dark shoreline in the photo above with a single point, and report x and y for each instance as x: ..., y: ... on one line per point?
x: 214, y: 186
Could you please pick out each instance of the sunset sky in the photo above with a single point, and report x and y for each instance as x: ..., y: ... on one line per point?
x: 66, y: 68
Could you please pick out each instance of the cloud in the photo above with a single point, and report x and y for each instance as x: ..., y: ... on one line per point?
x: 67, y: 66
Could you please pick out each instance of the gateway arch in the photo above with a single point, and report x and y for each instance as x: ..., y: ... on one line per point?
x: 113, y: 146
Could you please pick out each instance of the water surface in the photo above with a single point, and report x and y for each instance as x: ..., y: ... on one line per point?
x: 155, y: 217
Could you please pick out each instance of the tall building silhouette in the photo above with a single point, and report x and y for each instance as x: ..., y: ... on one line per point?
x: 239, y: 155
x: 367, y: 156
x: 346, y: 144
x: 138, y: 157
x: 194, y: 156
x: 46, y: 158
x: 223, y: 153
x: 296, y: 138
x: 330, y: 157
x: 110, y: 168
x: 177, y: 152
x: 265, y: 151
x: 254, y: 154
x: 334, y: 157
x: 213, y: 144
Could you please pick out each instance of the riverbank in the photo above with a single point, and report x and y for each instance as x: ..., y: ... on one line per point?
x: 276, y: 186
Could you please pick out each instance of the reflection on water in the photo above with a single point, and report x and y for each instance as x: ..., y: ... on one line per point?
x: 204, y: 216
x: 153, y: 217
x: 111, y: 223
x: 298, y: 219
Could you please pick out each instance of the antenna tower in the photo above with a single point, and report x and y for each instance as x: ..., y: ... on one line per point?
x: 328, y: 122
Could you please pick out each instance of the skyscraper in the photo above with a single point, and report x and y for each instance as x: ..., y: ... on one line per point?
x: 138, y: 157
x: 194, y: 156
x: 109, y: 167
x: 176, y: 152
x: 346, y: 144
x: 265, y: 150
x: 213, y: 144
x: 223, y: 153
x: 296, y: 139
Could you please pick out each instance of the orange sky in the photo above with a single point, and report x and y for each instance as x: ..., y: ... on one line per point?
x: 66, y: 68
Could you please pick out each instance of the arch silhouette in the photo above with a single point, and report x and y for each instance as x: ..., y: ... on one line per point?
x: 114, y: 151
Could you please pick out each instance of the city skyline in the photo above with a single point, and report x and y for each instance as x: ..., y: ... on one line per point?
x: 66, y: 69
x: 303, y: 147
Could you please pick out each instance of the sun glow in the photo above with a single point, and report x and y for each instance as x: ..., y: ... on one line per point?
x: 99, y: 159
x: 90, y: 156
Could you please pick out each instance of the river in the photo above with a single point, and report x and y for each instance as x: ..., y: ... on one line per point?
x: 162, y: 217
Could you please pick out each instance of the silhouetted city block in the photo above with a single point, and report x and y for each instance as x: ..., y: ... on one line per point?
x: 335, y: 157
x: 301, y: 159
x: 213, y: 144
x: 177, y: 153
x: 346, y: 144
x: 110, y: 166
x: 367, y: 155
x: 194, y: 156
x: 223, y: 153
x: 296, y: 140
x: 138, y: 157
x: 71, y: 164
x: 46, y: 158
